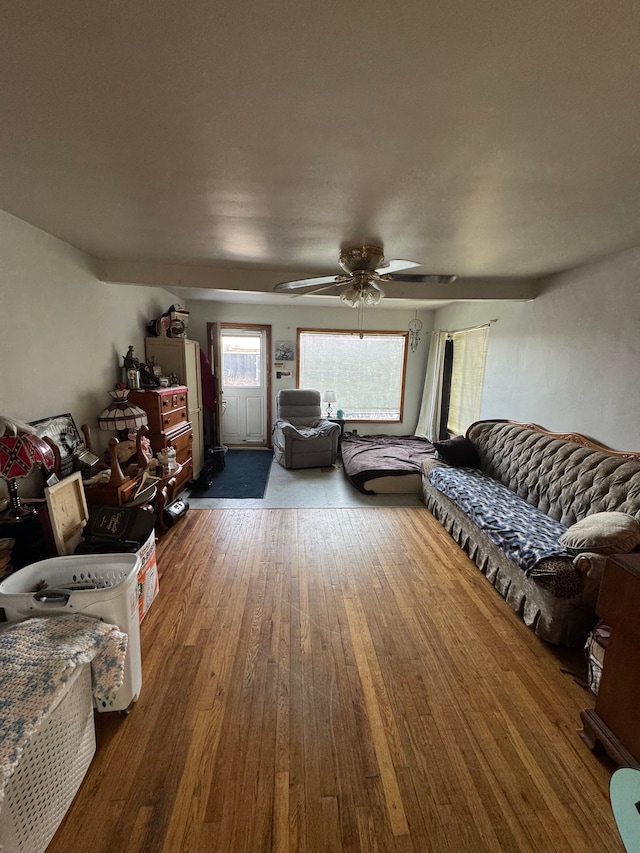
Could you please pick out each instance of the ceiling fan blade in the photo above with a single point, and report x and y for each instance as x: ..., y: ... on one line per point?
x: 396, y: 266
x: 286, y: 286
x: 431, y: 279
x: 320, y: 289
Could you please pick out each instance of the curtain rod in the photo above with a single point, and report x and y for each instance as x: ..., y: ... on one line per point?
x: 471, y: 328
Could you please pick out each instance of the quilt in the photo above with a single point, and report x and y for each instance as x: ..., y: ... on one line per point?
x: 521, y: 531
x: 367, y: 457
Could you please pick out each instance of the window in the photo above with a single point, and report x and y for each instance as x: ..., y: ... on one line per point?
x: 365, y: 369
x: 467, y: 377
x: 241, y: 361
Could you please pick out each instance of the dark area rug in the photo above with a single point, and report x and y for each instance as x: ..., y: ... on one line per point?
x: 245, y: 475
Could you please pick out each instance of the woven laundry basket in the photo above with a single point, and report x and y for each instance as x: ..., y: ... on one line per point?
x: 101, y: 585
x: 50, y: 770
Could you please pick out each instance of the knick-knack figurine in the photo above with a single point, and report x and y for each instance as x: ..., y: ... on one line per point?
x: 131, y: 370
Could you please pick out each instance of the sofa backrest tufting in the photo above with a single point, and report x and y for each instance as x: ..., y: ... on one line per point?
x: 564, y: 479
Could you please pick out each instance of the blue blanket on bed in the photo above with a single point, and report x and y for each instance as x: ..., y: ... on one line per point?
x: 525, y: 534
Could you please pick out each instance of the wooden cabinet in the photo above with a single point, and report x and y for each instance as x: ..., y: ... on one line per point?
x: 614, y: 722
x: 182, y: 357
x: 169, y: 424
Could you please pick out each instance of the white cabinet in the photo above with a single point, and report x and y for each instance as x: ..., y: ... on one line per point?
x: 182, y: 357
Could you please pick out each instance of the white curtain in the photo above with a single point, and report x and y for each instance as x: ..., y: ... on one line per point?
x: 467, y: 377
x: 429, y: 419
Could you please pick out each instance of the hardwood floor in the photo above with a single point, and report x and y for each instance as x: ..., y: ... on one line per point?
x: 330, y: 680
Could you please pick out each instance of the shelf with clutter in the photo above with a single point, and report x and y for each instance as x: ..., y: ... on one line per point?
x: 54, y: 463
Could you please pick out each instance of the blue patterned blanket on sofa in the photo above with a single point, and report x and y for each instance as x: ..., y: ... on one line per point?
x: 525, y: 534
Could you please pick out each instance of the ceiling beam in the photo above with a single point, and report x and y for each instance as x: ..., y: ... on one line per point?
x: 171, y: 276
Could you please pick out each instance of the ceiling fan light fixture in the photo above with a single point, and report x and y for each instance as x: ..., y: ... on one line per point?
x: 350, y: 296
x: 371, y: 295
x: 361, y: 294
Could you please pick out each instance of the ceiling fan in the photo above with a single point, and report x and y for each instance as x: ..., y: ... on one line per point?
x: 364, y: 268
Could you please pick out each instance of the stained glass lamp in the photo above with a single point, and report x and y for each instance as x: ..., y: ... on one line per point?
x: 120, y: 414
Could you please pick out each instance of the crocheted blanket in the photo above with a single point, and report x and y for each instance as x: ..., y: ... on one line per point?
x: 525, y: 534
x: 37, y: 659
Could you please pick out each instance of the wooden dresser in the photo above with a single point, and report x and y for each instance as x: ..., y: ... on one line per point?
x: 182, y: 357
x: 167, y: 411
x: 615, y: 720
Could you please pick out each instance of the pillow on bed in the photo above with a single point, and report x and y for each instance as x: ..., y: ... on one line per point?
x: 458, y: 451
x: 603, y: 533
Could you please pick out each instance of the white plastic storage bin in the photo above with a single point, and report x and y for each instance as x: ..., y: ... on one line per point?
x: 100, y: 585
x: 50, y: 770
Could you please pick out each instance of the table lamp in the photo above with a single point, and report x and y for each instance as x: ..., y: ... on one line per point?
x: 19, y: 455
x: 329, y: 398
x: 120, y: 414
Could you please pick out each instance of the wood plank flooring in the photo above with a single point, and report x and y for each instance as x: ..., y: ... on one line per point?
x: 318, y: 681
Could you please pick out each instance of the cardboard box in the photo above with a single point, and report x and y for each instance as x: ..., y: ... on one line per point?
x: 148, y: 583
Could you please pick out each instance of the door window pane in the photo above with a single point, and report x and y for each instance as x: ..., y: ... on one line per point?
x: 241, y: 365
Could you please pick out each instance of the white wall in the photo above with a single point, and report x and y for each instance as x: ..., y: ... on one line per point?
x: 569, y: 359
x: 285, y: 319
x: 62, y: 332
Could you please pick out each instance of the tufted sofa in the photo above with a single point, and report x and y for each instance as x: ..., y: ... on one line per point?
x: 567, y: 477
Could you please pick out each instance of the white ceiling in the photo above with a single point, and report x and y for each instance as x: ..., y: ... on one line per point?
x: 232, y: 145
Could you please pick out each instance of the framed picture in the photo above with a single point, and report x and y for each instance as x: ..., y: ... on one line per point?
x: 62, y: 430
x: 68, y: 512
x: 285, y: 351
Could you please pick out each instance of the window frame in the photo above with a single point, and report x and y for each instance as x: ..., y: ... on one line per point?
x: 403, y: 334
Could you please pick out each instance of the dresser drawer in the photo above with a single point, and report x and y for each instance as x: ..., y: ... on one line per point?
x: 173, y: 401
x: 183, y: 444
x: 185, y: 476
x: 181, y: 438
x: 171, y: 420
x: 166, y: 409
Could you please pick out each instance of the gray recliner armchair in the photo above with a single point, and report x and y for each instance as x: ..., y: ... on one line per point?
x: 302, y: 438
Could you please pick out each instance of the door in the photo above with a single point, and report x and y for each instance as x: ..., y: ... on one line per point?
x: 243, y: 379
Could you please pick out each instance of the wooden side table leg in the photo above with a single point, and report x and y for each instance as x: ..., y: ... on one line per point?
x: 161, y: 502
x: 166, y: 494
x: 587, y: 733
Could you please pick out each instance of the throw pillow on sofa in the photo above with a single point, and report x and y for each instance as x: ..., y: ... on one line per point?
x: 458, y: 451
x: 603, y: 533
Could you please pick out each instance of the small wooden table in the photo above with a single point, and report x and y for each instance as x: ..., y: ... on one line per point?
x: 341, y: 422
x: 614, y: 722
x: 124, y: 494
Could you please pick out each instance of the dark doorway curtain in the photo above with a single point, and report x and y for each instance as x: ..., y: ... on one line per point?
x: 446, y: 389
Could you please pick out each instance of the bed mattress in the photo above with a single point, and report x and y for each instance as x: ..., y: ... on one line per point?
x: 384, y: 464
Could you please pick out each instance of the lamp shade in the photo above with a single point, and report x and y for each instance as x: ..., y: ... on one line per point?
x: 19, y: 454
x: 121, y: 414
